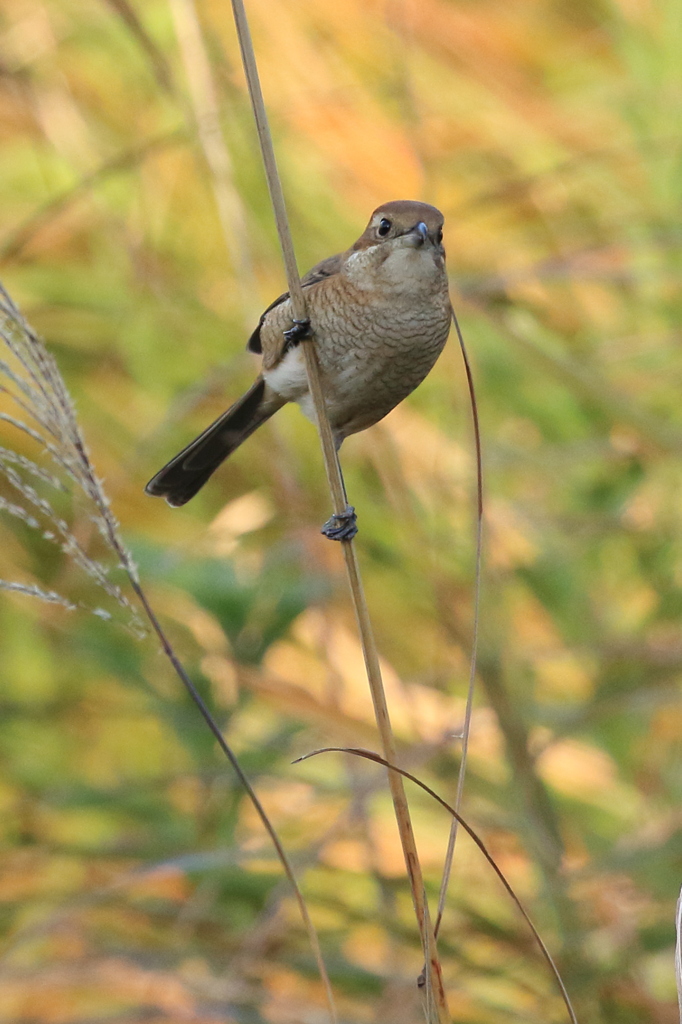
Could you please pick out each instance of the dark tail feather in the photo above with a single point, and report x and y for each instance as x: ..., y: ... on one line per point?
x: 187, y: 473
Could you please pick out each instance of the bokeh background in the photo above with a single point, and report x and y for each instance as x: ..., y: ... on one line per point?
x: 136, y: 883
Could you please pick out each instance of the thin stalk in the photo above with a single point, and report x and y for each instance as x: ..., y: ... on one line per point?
x: 205, y: 111
x: 156, y: 57
x: 678, y: 952
x: 450, y: 852
x: 55, y: 408
x: 369, y: 755
x: 334, y: 479
x: 229, y: 753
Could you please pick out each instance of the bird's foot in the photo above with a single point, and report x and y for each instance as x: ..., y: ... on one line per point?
x: 299, y: 332
x: 342, y: 525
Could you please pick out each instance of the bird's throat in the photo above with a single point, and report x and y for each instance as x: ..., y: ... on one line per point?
x: 396, y: 270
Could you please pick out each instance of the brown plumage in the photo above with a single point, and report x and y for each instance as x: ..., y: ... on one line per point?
x: 380, y: 315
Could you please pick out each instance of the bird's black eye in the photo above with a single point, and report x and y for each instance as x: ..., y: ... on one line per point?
x: 439, y: 236
x: 384, y: 227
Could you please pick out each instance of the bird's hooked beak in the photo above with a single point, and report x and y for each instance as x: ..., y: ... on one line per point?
x: 417, y: 236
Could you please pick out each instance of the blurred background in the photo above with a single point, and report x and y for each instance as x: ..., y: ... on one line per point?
x: 136, y: 883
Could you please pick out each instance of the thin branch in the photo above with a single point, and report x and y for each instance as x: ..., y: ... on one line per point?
x: 230, y: 755
x: 56, y: 408
x: 205, y: 112
x: 369, y: 755
x: 33, y: 590
x: 678, y: 953
x: 450, y: 852
x: 334, y: 479
x: 157, y: 58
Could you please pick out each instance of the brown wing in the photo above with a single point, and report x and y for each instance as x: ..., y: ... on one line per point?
x: 326, y: 268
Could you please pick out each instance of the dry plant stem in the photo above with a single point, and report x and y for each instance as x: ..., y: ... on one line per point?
x: 227, y: 750
x: 429, y: 1002
x: 157, y: 58
x: 339, y: 503
x: 206, y: 113
x: 268, y: 154
x: 53, y: 410
x: 434, y: 978
x: 542, y: 834
x: 450, y: 853
x: 678, y: 953
x: 369, y: 755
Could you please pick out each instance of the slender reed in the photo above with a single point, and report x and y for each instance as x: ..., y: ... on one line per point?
x: 678, y: 953
x: 333, y: 472
x: 369, y: 755
x: 35, y: 384
x: 466, y: 731
x: 204, y: 110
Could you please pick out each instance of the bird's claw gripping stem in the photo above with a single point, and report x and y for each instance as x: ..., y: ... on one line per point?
x: 342, y: 525
x: 299, y: 332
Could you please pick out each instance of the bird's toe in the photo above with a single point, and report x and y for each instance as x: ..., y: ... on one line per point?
x: 342, y: 525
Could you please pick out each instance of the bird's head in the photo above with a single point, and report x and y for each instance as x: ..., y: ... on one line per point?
x: 404, y: 223
x: 403, y: 240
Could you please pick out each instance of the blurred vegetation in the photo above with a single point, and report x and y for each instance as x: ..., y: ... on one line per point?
x: 136, y: 882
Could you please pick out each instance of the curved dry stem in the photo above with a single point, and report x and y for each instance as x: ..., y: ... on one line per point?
x: 204, y: 110
x: 230, y: 755
x: 56, y: 412
x: 158, y: 62
x: 452, y: 839
x: 369, y: 755
x: 678, y: 952
x: 438, y: 1010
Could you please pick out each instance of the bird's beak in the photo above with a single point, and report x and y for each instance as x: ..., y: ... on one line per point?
x: 417, y: 235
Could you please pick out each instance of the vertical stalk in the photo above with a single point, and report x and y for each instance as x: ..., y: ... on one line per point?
x: 435, y: 981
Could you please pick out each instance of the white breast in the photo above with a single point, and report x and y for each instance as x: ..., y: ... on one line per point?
x: 290, y: 380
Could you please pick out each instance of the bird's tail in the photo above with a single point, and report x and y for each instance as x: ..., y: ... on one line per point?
x: 187, y: 473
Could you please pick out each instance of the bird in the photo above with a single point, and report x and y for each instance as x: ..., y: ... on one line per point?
x: 378, y: 314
